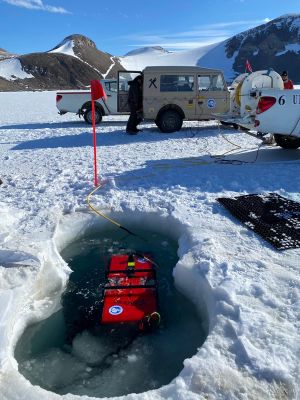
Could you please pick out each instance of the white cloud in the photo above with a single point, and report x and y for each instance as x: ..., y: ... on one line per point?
x: 198, y: 37
x: 177, y: 41
x: 36, y: 5
x: 239, y: 23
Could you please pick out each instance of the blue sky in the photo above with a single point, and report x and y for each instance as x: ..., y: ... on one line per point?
x: 118, y: 27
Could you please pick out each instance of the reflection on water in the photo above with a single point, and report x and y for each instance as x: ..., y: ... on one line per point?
x: 66, y: 354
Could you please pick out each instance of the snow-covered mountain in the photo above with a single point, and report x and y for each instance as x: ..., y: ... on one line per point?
x: 275, y: 44
x: 149, y: 49
x: 73, y: 63
x: 85, y: 50
x: 154, y: 56
x: 76, y: 60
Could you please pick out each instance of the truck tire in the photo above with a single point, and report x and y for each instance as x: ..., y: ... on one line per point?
x: 88, y: 116
x: 169, y: 121
x: 287, y: 142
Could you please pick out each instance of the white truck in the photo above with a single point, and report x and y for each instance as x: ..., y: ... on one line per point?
x: 171, y: 94
x: 260, y: 105
x: 79, y: 102
x: 244, y: 97
x: 278, y: 112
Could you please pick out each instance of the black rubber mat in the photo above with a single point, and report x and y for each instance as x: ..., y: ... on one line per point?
x: 273, y: 217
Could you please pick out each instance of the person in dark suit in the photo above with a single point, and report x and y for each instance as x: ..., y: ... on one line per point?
x: 135, y: 101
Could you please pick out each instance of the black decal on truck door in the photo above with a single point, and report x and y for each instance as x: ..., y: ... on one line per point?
x: 152, y: 83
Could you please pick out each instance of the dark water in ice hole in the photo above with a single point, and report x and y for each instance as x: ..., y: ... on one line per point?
x: 97, y: 362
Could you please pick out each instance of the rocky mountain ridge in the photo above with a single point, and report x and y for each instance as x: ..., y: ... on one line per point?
x: 72, y: 64
x: 75, y: 61
x: 275, y: 44
x: 5, y: 54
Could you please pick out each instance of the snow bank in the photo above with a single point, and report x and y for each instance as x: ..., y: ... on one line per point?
x: 11, y: 69
x: 250, y: 292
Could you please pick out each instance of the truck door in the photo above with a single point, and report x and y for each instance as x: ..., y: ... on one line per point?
x: 110, y: 87
x: 123, y: 78
x: 213, y: 96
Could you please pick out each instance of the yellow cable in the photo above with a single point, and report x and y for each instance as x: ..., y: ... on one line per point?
x: 115, y: 222
x: 98, y: 212
x: 236, y: 146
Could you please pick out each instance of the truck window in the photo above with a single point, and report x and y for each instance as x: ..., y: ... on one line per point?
x: 124, y: 77
x: 203, y: 83
x: 176, y: 83
x: 218, y: 82
x: 111, y: 86
x: 211, y: 82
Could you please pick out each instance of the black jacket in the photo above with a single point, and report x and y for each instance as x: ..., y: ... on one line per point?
x: 135, y: 94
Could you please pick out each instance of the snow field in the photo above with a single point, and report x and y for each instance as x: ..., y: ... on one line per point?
x: 249, y: 291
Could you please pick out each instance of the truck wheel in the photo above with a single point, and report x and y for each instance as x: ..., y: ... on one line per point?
x: 169, y: 121
x: 287, y: 142
x: 88, y: 116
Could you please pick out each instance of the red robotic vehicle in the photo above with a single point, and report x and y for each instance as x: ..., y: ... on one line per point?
x: 130, y: 292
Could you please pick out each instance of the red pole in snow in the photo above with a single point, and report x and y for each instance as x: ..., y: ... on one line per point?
x: 95, y: 144
x: 97, y: 92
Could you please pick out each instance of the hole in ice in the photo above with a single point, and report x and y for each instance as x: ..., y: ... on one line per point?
x: 101, y: 363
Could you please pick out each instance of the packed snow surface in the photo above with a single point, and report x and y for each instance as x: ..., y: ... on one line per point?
x: 11, y: 69
x: 250, y: 291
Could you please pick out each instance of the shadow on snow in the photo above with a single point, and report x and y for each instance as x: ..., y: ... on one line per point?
x: 115, y: 137
x: 262, y: 171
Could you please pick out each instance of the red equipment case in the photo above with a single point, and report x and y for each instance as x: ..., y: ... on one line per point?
x: 130, y: 291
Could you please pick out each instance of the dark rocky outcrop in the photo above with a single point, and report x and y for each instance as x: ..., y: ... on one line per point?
x: 57, y: 71
x: 275, y: 44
